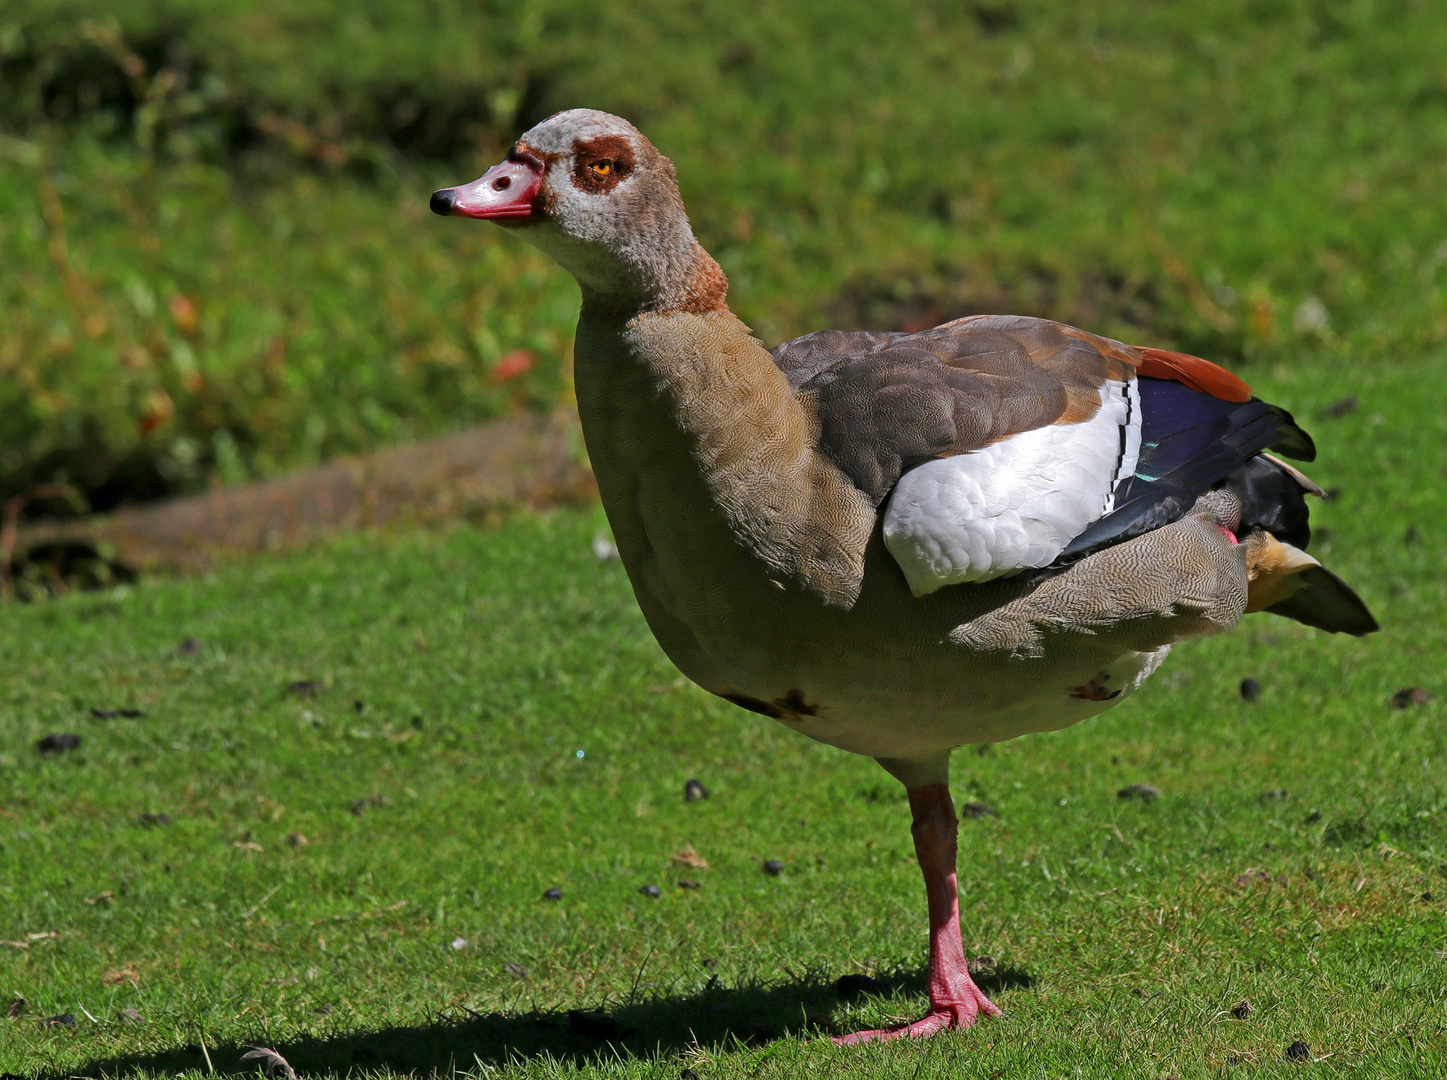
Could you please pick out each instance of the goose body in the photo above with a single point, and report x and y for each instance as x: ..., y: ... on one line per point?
x: 898, y: 544
x: 766, y: 574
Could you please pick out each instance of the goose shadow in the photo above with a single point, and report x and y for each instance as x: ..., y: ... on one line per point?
x: 714, y: 1017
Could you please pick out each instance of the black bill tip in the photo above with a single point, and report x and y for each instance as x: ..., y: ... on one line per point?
x: 442, y: 201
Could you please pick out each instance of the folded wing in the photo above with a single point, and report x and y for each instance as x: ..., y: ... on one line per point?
x: 997, y: 444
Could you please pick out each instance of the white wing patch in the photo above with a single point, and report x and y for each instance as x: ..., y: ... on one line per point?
x: 1015, y: 504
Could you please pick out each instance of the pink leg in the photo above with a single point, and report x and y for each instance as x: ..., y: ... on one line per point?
x: 955, y: 1001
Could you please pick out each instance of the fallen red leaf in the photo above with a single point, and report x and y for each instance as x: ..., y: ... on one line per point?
x: 511, y: 365
x: 183, y: 310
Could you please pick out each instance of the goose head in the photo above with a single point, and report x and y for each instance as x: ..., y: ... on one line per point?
x: 590, y: 190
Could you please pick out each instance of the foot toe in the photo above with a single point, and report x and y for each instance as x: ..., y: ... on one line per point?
x: 937, y: 1019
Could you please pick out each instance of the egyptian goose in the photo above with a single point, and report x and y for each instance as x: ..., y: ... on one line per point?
x: 896, y: 543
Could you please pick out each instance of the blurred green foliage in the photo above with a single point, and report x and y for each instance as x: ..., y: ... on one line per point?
x: 217, y: 261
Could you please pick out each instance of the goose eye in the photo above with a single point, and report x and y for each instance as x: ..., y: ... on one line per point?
x: 601, y: 168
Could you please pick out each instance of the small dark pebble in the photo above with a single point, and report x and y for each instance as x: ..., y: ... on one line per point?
x: 130, y: 1016
x: 651, y: 890
x: 773, y: 867
x: 1148, y: 792
x: 1299, y: 1051
x: 981, y: 965
x: 1409, y: 696
x: 1241, y: 1010
x: 114, y: 714
x: 1250, y: 689
x: 516, y: 970
x: 1427, y: 896
x: 685, y: 883
x: 64, y: 1020
x: 596, y: 1024
x: 554, y: 893
x: 694, y: 790
x: 849, y: 987
x: 56, y: 744
x: 151, y: 821
x: 1343, y: 407
x: 819, y: 1021
x: 306, y: 688
x: 361, y: 806
x: 993, y: 19
x: 189, y: 647
x: 976, y: 810
x: 17, y: 1007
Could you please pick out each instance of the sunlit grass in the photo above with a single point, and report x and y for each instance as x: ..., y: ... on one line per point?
x: 1294, y: 861
x: 485, y: 716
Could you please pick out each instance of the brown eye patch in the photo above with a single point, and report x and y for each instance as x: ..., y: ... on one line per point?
x: 601, y: 164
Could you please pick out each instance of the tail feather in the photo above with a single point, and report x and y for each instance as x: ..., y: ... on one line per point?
x: 1328, y: 603
x: 1273, y: 500
x: 1200, y: 434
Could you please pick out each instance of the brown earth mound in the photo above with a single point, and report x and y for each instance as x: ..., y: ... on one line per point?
x: 518, y: 461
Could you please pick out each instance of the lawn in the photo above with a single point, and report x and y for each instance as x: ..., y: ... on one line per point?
x: 458, y: 719
x: 357, y: 769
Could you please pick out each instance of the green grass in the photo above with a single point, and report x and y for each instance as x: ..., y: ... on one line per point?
x: 485, y: 660
x: 1258, y: 180
x: 221, y: 266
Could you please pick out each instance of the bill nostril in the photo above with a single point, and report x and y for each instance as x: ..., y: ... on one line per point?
x: 502, y: 183
x: 442, y: 201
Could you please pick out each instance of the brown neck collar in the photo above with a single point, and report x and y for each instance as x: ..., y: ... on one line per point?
x: 700, y: 289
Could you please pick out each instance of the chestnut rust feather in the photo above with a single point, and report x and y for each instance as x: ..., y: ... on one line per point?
x: 705, y: 287
x: 612, y: 151
x: 546, y: 200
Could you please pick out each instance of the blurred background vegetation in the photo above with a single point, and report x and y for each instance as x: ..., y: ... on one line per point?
x: 216, y: 260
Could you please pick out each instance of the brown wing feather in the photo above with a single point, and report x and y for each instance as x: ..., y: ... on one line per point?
x: 886, y: 402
